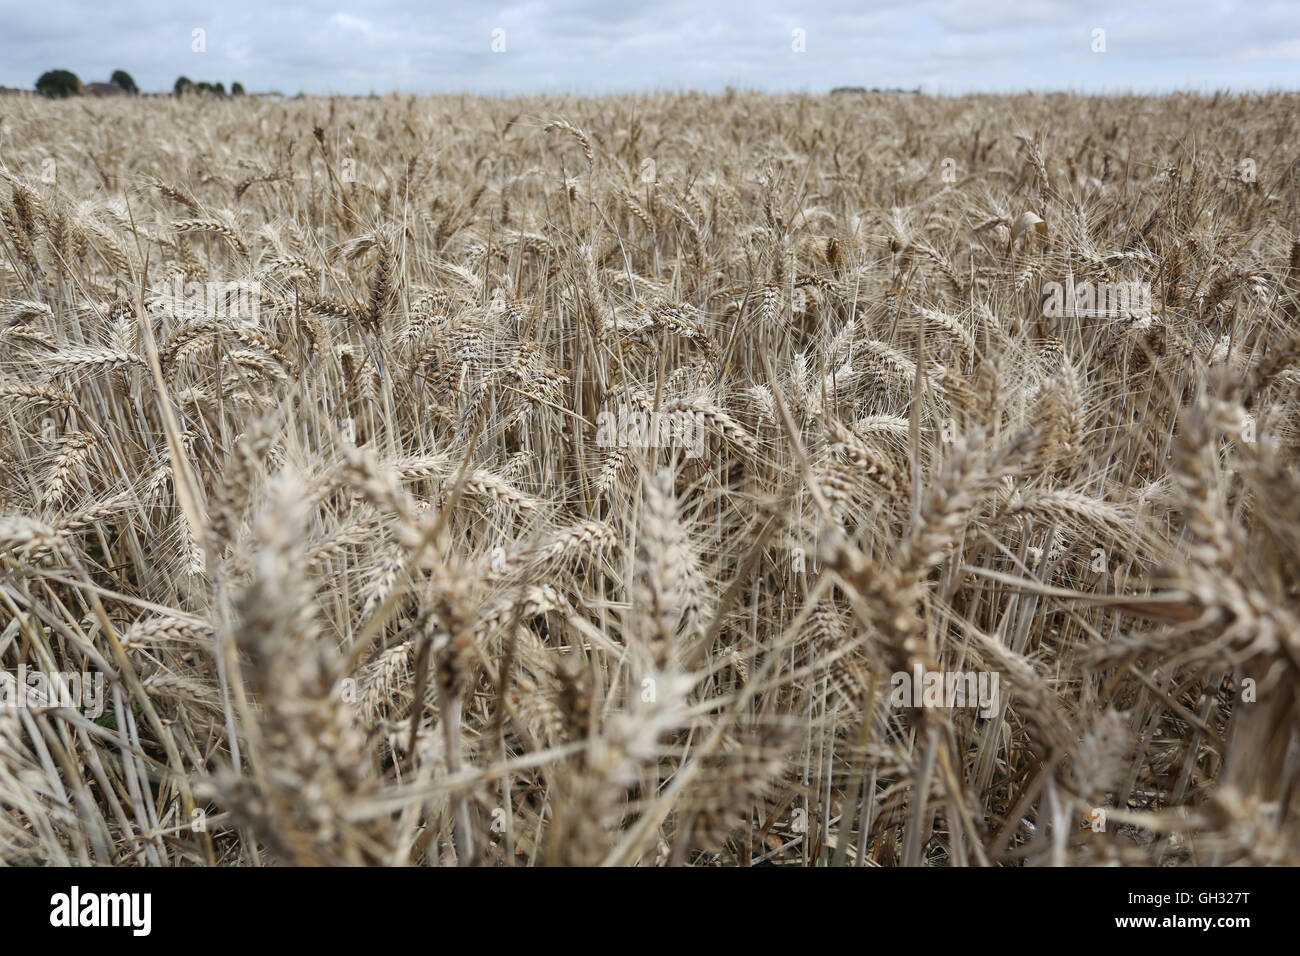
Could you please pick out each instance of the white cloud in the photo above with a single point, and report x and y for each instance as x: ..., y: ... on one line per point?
x: 348, y: 23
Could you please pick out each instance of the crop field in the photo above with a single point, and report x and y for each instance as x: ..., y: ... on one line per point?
x: 855, y: 480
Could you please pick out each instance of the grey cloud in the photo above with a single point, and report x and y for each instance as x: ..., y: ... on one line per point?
x: 593, y: 46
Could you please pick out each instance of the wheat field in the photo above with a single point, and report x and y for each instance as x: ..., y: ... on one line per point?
x: 554, y: 481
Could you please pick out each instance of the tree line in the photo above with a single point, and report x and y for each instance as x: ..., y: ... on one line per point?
x: 61, y: 83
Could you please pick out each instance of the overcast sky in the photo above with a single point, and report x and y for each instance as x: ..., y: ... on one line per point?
x: 595, y: 46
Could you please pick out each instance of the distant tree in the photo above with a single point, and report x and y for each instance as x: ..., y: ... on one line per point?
x: 219, y: 88
x: 59, y: 83
x: 203, y: 86
x: 236, y: 88
x: 123, y: 79
x: 183, y: 85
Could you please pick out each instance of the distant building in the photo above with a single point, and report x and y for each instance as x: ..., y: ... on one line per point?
x: 103, y: 89
x: 275, y: 96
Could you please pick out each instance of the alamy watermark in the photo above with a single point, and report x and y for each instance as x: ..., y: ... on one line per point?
x: 631, y: 426
x: 239, y: 302
x: 946, y: 689
x: 71, y: 689
x: 75, y: 909
x: 1096, y: 300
